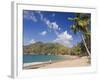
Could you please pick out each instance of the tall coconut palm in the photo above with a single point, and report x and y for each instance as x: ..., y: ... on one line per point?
x: 82, y: 24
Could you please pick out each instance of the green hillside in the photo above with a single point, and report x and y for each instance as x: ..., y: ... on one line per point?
x: 53, y: 49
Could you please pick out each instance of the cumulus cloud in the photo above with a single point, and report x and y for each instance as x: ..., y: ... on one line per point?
x: 52, y: 25
x: 32, y: 41
x: 43, y: 33
x: 64, y: 38
x: 30, y: 16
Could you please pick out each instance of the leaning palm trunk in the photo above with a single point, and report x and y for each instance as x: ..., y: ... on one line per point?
x: 85, y: 45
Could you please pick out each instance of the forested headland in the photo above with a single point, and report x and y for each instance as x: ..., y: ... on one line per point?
x: 53, y: 49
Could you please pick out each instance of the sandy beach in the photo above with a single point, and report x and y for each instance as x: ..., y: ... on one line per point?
x: 83, y: 61
x: 73, y: 62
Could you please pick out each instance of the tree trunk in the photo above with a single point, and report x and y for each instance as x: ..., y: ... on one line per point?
x: 85, y: 45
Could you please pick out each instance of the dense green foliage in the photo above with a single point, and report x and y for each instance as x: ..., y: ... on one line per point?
x: 82, y: 24
x: 52, y: 49
x: 45, y: 48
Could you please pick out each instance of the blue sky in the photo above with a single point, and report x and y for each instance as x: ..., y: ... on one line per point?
x: 48, y: 26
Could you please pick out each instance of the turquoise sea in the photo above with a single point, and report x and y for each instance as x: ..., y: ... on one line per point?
x: 27, y: 58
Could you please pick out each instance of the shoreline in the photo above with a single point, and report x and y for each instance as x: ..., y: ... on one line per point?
x: 73, y: 61
x: 80, y: 62
x: 35, y: 65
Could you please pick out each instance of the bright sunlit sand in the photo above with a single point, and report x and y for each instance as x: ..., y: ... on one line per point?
x: 83, y: 61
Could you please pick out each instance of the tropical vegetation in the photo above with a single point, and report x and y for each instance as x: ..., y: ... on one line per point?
x: 82, y: 24
x: 52, y: 49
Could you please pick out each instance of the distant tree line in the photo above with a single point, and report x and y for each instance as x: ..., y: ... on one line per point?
x: 53, y: 49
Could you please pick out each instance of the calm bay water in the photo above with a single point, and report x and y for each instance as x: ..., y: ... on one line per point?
x: 41, y: 58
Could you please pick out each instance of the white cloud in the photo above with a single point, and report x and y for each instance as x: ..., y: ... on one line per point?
x: 30, y: 16
x: 51, y: 25
x: 59, y: 28
x: 32, y: 41
x: 40, y: 14
x: 54, y: 25
x: 64, y: 38
x: 33, y: 18
x: 43, y: 33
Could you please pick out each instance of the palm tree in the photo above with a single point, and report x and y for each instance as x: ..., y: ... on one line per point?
x: 82, y: 24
